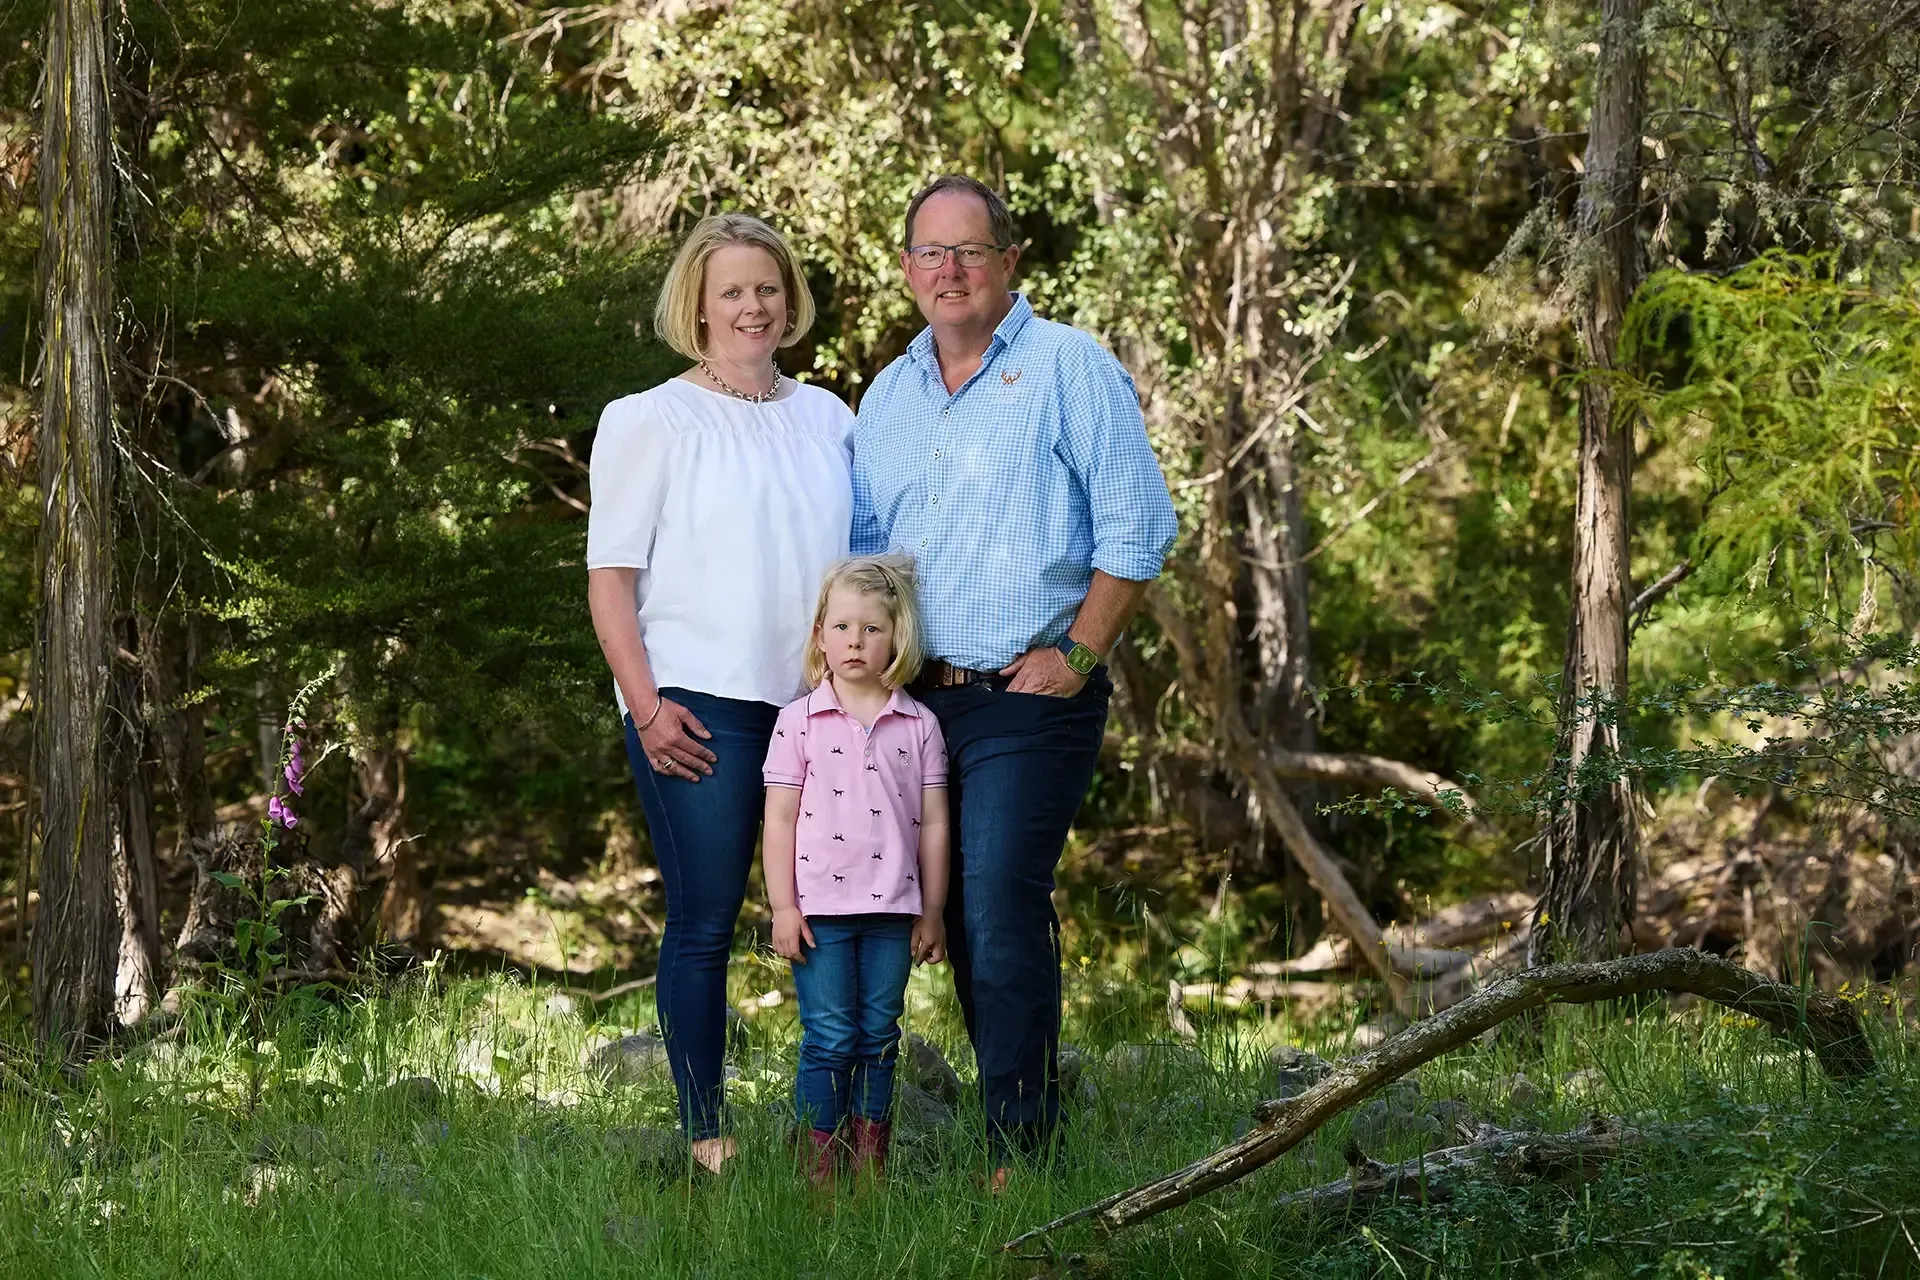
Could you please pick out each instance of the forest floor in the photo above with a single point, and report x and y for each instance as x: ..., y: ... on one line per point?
x: 464, y: 1127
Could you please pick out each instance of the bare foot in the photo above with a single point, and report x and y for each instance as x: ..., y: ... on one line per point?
x: 712, y: 1153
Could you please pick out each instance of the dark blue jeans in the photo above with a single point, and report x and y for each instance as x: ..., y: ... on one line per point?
x: 1018, y: 767
x: 851, y: 990
x: 703, y: 836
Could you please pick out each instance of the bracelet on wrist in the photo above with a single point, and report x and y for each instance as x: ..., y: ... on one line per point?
x: 659, y: 700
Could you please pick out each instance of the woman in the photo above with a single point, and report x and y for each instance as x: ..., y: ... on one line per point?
x: 719, y: 499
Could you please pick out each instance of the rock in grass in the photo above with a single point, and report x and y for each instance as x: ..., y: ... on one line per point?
x: 1522, y: 1093
x: 559, y: 1006
x: 917, y: 1113
x: 1155, y: 1062
x: 301, y: 1144
x: 1296, y: 1070
x: 926, y: 1068
x: 1073, y: 1070
x: 414, y: 1093
x: 630, y: 1059
x: 1583, y: 1084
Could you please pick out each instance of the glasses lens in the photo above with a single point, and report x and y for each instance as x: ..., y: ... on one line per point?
x: 972, y: 255
x: 929, y: 257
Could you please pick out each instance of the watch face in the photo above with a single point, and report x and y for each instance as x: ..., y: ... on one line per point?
x: 1082, y: 659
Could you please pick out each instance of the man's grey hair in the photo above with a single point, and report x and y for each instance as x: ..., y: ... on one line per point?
x: 999, y: 221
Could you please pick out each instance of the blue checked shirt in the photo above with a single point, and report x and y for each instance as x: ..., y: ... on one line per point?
x: 1010, y: 492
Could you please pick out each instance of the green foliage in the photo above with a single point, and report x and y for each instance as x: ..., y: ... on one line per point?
x: 1795, y: 388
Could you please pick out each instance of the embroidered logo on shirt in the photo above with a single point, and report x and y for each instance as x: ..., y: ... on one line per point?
x: 1011, y: 376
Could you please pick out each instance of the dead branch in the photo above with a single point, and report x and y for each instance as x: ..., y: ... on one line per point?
x: 1467, y: 922
x: 1827, y: 1026
x: 1324, y: 874
x: 1643, y: 603
x: 1358, y: 769
x: 621, y: 989
x: 1499, y: 1155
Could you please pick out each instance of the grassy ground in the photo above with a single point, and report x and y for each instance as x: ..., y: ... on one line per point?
x: 301, y: 1157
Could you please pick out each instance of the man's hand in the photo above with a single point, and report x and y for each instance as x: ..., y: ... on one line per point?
x: 1044, y: 671
x: 929, y: 943
x: 789, y: 930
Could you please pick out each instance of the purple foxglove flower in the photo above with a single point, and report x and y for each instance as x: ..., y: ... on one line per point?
x: 296, y: 769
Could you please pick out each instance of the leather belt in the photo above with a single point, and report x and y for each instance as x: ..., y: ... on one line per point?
x: 936, y: 674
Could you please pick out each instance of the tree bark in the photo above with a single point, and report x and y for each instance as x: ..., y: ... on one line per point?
x: 136, y: 893
x: 1591, y: 841
x: 76, y: 936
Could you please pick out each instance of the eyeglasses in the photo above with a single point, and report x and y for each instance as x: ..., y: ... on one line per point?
x: 931, y: 257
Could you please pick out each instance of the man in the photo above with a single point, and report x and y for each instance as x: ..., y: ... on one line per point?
x: 1008, y: 455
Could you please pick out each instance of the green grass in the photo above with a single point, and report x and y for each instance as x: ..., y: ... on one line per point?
x: 156, y: 1168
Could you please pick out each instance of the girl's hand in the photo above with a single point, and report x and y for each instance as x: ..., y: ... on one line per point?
x: 789, y: 931
x: 672, y: 743
x: 929, y: 944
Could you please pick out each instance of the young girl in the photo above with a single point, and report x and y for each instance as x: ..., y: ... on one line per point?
x: 856, y: 853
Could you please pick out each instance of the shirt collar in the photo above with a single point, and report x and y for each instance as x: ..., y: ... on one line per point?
x: 823, y: 698
x: 921, y: 348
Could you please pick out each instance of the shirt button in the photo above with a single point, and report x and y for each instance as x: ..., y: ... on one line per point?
x: 936, y: 453
x: 936, y: 499
x: 923, y: 542
x: 946, y: 412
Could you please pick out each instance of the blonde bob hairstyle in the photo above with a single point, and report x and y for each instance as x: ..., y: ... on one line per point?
x: 676, y: 316
x: 889, y: 576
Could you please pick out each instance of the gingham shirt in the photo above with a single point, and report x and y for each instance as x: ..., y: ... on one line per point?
x: 1011, y: 491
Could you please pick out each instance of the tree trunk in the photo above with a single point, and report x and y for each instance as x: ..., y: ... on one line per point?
x: 76, y: 935
x: 136, y: 893
x: 1591, y: 840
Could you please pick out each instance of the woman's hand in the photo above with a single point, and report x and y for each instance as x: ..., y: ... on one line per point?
x: 929, y: 944
x: 672, y: 743
x: 789, y: 931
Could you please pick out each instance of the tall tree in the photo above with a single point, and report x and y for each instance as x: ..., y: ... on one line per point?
x: 76, y: 938
x: 1591, y: 839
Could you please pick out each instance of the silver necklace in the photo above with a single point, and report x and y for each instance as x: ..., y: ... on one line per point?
x: 721, y: 382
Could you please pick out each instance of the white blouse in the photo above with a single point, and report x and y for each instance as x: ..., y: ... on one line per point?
x: 732, y: 512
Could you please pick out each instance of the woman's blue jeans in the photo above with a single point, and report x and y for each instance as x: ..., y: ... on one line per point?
x: 851, y: 990
x: 703, y: 836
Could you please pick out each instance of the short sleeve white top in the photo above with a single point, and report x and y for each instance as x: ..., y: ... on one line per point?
x: 732, y: 512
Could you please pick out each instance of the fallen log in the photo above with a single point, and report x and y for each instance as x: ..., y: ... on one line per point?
x: 1493, y: 1154
x: 1466, y: 923
x: 1829, y: 1027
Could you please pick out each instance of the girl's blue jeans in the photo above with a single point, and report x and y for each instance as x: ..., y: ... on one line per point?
x: 851, y: 990
x: 703, y: 835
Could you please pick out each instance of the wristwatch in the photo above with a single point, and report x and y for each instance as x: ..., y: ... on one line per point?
x: 1079, y: 657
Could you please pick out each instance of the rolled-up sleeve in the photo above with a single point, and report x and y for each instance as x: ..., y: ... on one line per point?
x: 627, y: 475
x: 1104, y: 439
x: 786, y: 762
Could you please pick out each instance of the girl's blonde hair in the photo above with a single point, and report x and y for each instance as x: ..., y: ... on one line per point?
x: 890, y: 576
x: 676, y: 316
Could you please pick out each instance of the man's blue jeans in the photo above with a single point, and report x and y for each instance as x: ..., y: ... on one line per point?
x: 851, y: 990
x: 1019, y: 765
x: 703, y: 836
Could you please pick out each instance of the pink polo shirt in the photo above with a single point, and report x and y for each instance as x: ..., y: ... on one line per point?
x: 858, y: 844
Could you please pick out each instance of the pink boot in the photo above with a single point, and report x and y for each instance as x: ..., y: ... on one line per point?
x: 822, y: 1157
x: 870, y: 1138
